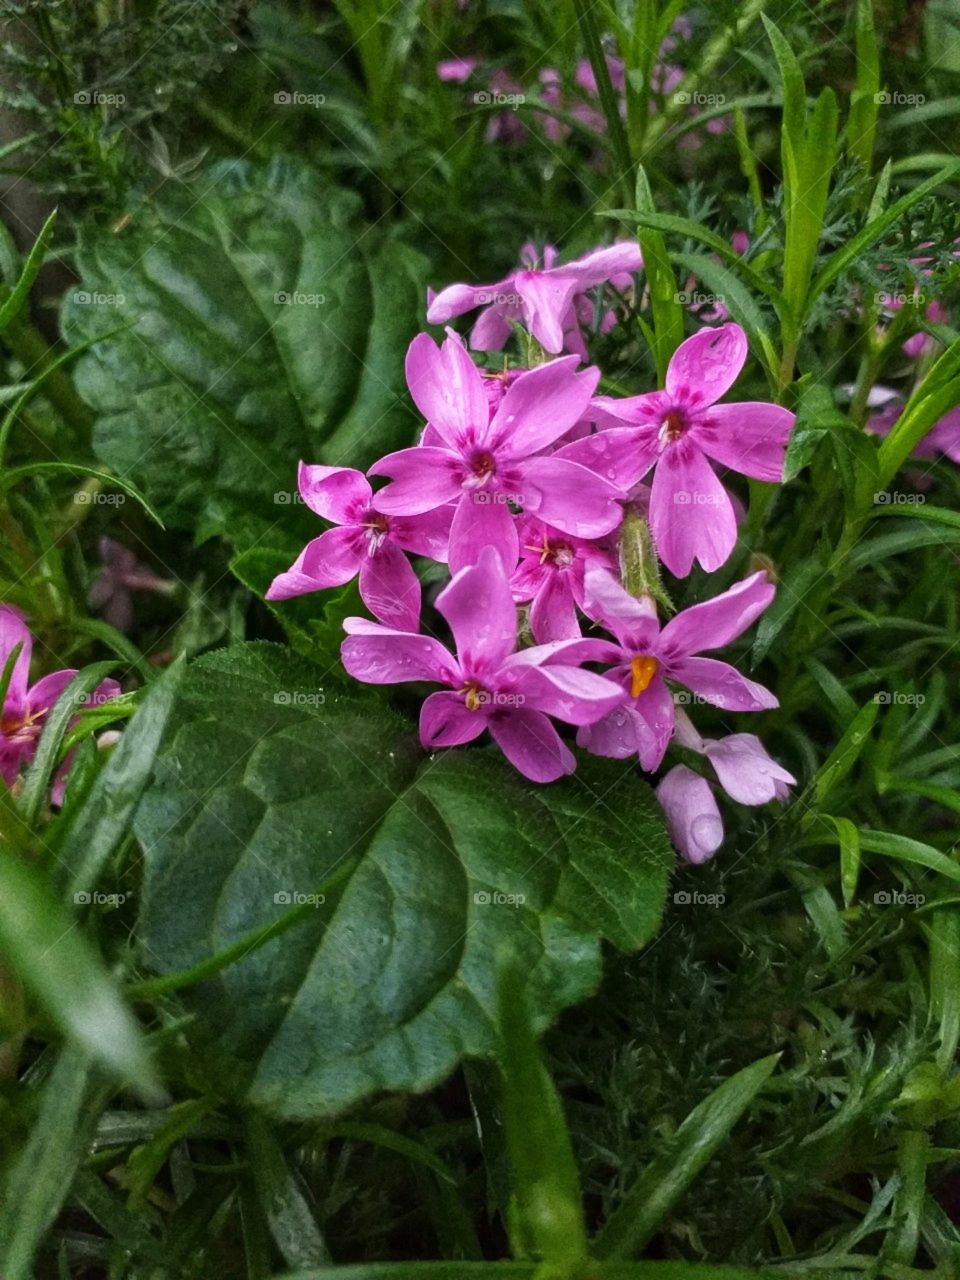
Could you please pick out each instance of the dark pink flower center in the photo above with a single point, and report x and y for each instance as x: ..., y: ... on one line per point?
x: 482, y: 466
x: 672, y: 427
x: 23, y: 729
x: 558, y: 553
x: 378, y: 529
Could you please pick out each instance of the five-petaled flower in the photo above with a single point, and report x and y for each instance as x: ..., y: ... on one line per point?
x: 491, y: 684
x: 367, y: 542
x: 489, y: 464
x: 647, y: 657
x: 675, y: 432
x: 25, y: 706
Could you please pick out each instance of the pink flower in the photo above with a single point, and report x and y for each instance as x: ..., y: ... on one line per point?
x: 942, y: 438
x: 675, y: 431
x: 484, y: 463
x: 543, y: 299
x: 550, y: 575
x: 456, y: 70
x: 26, y: 707
x: 367, y: 542
x: 112, y: 591
x: 693, y: 818
x: 491, y: 685
x: 649, y: 656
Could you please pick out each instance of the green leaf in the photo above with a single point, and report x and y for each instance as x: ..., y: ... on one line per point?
x: 645, y: 1205
x: 661, y: 283
x: 270, y: 780
x: 14, y: 304
x: 292, y: 1225
x: 791, y: 595
x: 862, y: 120
x: 56, y: 963
x: 15, y: 474
x: 904, y: 849
x: 259, y: 324
x: 40, y: 1180
x: 546, y: 1186
x: 103, y: 821
x: 737, y: 298
x: 847, y: 751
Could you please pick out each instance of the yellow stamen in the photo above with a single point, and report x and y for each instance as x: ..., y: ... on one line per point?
x: 475, y: 698
x: 642, y: 671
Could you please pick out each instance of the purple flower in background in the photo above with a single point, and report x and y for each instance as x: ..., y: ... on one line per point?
x: 942, y: 438
x: 456, y: 70
x: 491, y: 685
x: 367, y: 542
x: 26, y: 707
x: 649, y: 656
x: 542, y: 299
x: 112, y: 590
x: 484, y: 464
x: 550, y: 575
x: 675, y: 432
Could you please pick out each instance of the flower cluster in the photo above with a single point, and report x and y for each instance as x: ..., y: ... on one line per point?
x: 24, y: 707
x: 525, y: 483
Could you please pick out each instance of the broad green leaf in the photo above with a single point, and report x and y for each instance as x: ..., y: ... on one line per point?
x: 270, y: 781
x: 645, y: 1205
x: 57, y: 964
x: 103, y: 820
x: 39, y: 1182
x: 546, y: 1186
x: 258, y: 325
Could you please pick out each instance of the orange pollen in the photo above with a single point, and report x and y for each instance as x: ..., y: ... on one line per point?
x: 642, y: 671
x: 475, y: 696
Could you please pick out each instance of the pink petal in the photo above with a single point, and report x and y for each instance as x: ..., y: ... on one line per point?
x: 546, y: 300
x: 569, y: 693
x: 446, y: 386
x: 721, y: 685
x: 390, y: 589
x: 425, y: 535
x: 338, y: 494
x: 746, y: 772
x: 553, y: 614
x: 632, y: 621
x: 43, y: 695
x: 716, y: 622
x: 421, y: 479
x: 616, y: 736
x: 456, y: 69
x: 693, y: 818
x: 540, y: 406
x: 532, y: 744
x: 482, y: 520
x: 750, y: 437
x: 691, y: 516
x: 328, y: 561
x: 379, y: 655
x: 600, y: 265
x: 446, y: 722
x: 478, y: 605
x: 621, y: 455
x: 656, y: 715
x: 14, y: 631
x: 706, y: 366
x: 571, y: 498
x: 490, y: 331
x: 457, y: 299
